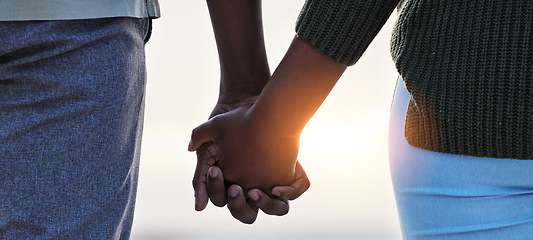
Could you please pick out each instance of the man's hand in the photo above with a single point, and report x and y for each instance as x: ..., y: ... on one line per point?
x: 208, y: 183
x: 245, y: 207
x: 238, y: 29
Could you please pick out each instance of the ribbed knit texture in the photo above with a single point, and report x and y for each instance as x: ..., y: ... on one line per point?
x: 342, y: 29
x: 468, y: 65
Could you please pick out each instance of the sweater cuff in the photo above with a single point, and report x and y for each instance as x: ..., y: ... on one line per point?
x: 342, y: 29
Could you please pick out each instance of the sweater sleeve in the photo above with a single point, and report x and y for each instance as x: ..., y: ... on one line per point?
x: 342, y: 29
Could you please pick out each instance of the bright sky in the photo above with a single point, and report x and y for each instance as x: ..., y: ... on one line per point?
x: 343, y: 148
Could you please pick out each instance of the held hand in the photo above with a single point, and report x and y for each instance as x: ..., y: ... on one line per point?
x: 212, y: 185
x: 208, y: 183
x: 208, y: 156
x: 251, y: 154
x: 246, y: 211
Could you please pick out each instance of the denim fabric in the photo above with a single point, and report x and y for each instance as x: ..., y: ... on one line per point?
x: 71, y: 113
x: 11, y: 10
x: 446, y: 197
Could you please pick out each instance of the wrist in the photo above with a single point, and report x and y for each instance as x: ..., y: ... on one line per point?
x: 239, y: 87
x: 238, y: 94
x: 296, y: 89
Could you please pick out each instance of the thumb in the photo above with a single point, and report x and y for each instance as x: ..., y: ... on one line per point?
x: 297, y: 188
x: 203, y: 134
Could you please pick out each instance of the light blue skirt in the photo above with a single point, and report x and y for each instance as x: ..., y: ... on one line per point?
x: 446, y: 196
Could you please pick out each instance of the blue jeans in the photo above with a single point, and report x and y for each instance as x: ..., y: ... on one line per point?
x: 71, y: 114
x: 445, y: 196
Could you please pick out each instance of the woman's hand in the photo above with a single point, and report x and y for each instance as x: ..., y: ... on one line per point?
x: 250, y: 152
x: 209, y: 183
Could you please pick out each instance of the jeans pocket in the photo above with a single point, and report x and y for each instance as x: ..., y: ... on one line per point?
x: 148, y: 34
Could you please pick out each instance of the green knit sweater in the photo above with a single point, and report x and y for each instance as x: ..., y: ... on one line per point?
x: 468, y: 65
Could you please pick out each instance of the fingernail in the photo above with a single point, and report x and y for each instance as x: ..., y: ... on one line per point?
x: 213, y: 173
x: 233, y: 192
x: 254, y: 196
x: 276, y: 193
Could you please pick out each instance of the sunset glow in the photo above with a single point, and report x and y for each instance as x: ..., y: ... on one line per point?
x: 343, y: 148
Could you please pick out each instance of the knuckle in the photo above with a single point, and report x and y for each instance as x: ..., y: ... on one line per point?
x: 248, y: 221
x: 283, y: 211
x: 218, y: 203
x: 307, y: 185
x: 248, y: 218
x: 194, y: 133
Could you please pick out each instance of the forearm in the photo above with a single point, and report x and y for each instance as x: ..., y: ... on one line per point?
x: 296, y: 90
x: 238, y: 29
x: 259, y: 142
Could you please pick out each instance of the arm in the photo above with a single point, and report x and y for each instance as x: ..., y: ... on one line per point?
x: 296, y: 90
x: 259, y: 142
x: 270, y: 128
x: 238, y: 29
x: 237, y: 25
